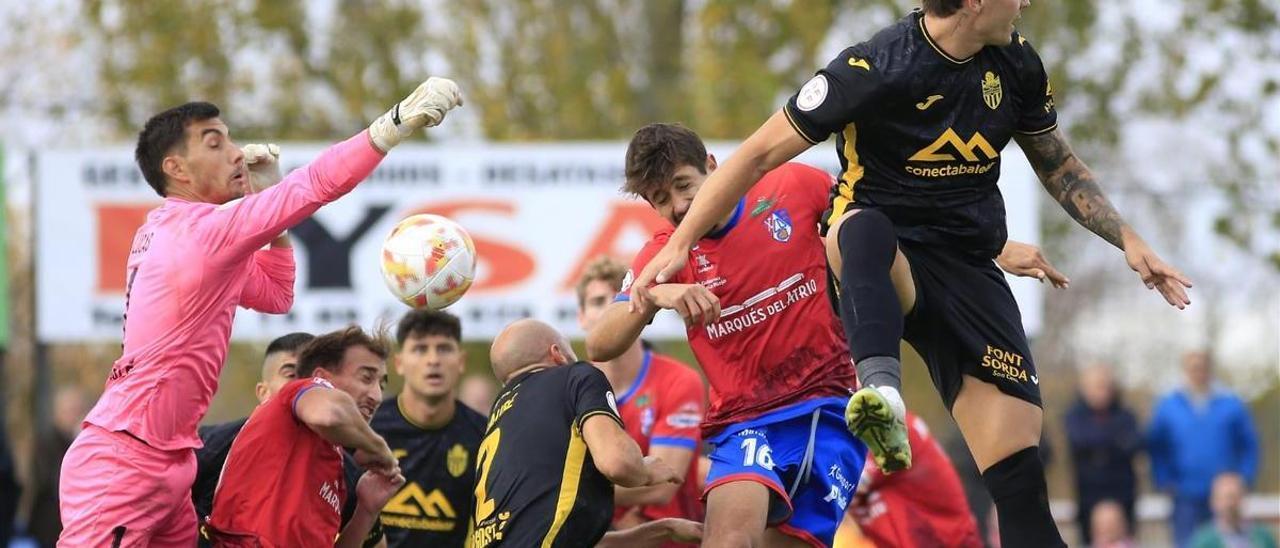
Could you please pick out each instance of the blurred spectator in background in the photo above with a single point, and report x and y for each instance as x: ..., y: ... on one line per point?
x: 477, y: 392
x: 1109, y: 525
x: 1103, y: 438
x: 9, y: 491
x: 69, y: 409
x: 1197, y: 432
x: 1229, y: 528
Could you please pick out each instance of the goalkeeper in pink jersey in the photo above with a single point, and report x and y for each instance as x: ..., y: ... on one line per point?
x: 126, y: 481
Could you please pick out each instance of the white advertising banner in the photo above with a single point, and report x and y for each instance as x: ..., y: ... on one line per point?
x: 537, y: 213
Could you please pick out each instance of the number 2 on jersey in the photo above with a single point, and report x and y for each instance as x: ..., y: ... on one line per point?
x: 488, y: 448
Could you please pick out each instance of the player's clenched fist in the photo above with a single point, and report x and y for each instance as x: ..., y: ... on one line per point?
x: 425, y: 107
x: 695, y: 303
x: 263, y: 162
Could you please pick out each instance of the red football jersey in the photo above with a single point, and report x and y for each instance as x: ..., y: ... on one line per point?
x: 664, y: 406
x: 282, y: 482
x: 777, y: 341
x: 922, y: 506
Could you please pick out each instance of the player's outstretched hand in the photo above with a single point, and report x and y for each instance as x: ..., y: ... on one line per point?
x: 1157, y: 275
x: 681, y: 530
x: 263, y: 163
x: 374, y: 490
x: 425, y: 107
x: 664, y: 266
x: 660, y: 472
x: 695, y: 303
x: 1027, y: 260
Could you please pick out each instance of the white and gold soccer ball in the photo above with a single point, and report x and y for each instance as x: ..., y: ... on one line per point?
x: 428, y: 261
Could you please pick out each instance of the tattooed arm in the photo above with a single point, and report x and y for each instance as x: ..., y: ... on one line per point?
x: 1071, y: 183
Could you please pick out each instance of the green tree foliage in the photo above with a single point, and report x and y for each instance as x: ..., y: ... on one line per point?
x: 277, y: 67
x: 597, y: 69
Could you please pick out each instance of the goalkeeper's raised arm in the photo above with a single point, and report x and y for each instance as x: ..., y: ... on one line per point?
x: 261, y: 216
x: 196, y: 258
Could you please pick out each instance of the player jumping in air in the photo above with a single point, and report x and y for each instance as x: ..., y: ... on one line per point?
x: 778, y: 368
x: 921, y: 112
x: 127, y: 478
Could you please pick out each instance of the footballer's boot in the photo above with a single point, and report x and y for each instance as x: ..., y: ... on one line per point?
x: 873, y: 419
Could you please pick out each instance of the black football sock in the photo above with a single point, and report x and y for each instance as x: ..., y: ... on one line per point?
x: 869, y: 307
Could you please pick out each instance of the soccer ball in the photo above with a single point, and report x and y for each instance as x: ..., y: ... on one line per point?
x: 428, y: 261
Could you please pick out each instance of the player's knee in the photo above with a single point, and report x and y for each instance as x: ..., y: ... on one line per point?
x: 867, y: 238
x: 1017, y: 486
x: 1017, y: 476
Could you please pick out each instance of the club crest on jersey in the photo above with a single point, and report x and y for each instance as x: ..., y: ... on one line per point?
x: 779, y: 224
x: 991, y: 91
x: 456, y: 460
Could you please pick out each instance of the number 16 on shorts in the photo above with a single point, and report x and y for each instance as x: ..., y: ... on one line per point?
x: 756, y: 452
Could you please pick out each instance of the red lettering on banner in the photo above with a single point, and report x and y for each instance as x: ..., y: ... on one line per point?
x: 623, y: 216
x: 117, y: 224
x: 507, y: 265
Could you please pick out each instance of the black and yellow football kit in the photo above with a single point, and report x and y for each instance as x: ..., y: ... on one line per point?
x: 536, y: 484
x: 919, y: 135
x: 434, y: 506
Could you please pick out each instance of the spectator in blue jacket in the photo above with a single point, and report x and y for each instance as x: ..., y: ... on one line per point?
x: 1197, y: 432
x: 1103, y: 438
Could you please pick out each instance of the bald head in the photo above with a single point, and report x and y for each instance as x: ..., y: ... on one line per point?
x: 527, y: 343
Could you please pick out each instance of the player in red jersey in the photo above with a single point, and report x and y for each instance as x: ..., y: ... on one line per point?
x: 923, y: 506
x: 283, y: 483
x: 783, y: 465
x: 661, y: 403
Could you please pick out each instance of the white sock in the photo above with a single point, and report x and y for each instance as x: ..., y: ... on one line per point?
x: 892, y: 396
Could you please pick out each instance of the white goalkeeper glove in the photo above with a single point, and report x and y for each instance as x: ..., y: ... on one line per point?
x: 263, y: 162
x: 425, y: 107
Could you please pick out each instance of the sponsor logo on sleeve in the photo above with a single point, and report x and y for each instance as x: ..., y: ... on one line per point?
x: 613, y: 403
x: 812, y: 94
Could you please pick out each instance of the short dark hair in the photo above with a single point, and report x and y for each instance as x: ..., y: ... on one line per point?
x: 941, y: 8
x: 289, y: 343
x: 422, y: 322
x: 656, y: 152
x: 326, y: 351
x: 162, y: 133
